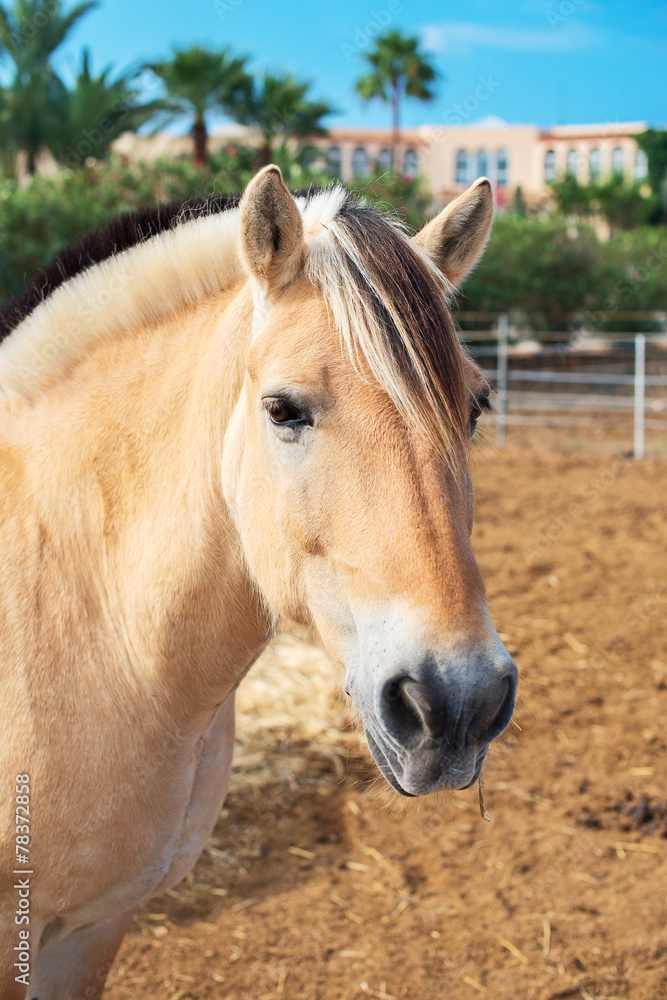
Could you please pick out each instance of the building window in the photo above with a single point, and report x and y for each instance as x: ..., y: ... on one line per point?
x: 359, y: 162
x: 594, y: 164
x: 482, y: 163
x: 641, y: 165
x: 462, y: 167
x: 549, y: 166
x: 334, y: 159
x: 501, y: 168
x: 384, y: 159
x: 410, y: 163
x: 617, y: 161
x: 571, y: 163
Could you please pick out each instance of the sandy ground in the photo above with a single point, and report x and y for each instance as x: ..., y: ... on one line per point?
x: 319, y: 885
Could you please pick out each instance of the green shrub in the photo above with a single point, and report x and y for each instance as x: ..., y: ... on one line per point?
x: 48, y: 213
x: 546, y: 273
x: 555, y: 276
x: 623, y: 205
x: 640, y: 255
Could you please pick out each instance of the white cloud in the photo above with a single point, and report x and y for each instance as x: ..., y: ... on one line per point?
x: 461, y: 36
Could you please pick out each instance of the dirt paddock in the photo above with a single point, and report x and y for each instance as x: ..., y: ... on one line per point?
x: 319, y: 885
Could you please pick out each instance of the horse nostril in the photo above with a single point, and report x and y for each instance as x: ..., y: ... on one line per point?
x: 407, y: 712
x: 414, y: 713
x: 432, y: 715
x: 501, y: 717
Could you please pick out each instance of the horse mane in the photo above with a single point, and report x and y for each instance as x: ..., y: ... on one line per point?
x: 120, y: 233
x: 388, y: 300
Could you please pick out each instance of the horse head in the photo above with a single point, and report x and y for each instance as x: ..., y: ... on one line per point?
x: 345, y: 467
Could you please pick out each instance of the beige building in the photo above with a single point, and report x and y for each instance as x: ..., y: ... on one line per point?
x: 450, y: 158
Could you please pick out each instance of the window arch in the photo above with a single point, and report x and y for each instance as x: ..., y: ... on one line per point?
x: 359, y: 162
x: 617, y: 160
x: 482, y: 163
x: 501, y: 168
x: 641, y: 165
x: 334, y: 159
x: 550, y: 165
x: 571, y: 163
x: 410, y: 163
x: 384, y: 159
x: 462, y: 167
x: 594, y: 162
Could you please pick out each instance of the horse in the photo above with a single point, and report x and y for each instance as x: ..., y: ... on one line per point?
x: 216, y: 420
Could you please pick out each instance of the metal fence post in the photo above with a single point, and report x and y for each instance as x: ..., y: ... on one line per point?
x: 640, y: 386
x: 501, y: 381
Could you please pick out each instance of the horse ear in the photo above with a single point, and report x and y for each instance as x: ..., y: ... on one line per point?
x: 455, y: 238
x: 271, y: 230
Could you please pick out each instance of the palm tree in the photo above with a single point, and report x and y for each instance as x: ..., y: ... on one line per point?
x: 197, y: 81
x: 278, y: 106
x: 398, y: 69
x: 96, y: 111
x: 30, y: 35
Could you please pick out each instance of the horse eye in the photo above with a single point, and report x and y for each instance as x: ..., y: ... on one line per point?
x: 482, y: 404
x: 282, y: 412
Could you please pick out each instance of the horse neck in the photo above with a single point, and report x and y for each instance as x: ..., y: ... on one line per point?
x: 136, y: 435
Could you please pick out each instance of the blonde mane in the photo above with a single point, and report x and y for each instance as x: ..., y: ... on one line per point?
x: 139, y: 285
x: 388, y: 301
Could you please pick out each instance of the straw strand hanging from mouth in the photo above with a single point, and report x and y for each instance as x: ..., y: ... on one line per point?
x: 482, y: 808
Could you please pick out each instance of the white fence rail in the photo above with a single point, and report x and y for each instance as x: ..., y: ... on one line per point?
x: 640, y: 393
x: 534, y: 404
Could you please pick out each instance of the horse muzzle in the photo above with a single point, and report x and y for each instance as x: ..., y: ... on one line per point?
x: 429, y: 728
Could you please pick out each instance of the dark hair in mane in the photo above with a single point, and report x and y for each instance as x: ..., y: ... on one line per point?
x: 118, y: 234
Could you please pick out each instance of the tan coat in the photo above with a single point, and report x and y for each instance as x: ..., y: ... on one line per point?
x: 170, y: 488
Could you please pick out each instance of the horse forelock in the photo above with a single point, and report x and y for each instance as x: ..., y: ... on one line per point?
x: 391, y: 308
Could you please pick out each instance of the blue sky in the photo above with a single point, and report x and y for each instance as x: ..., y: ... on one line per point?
x: 548, y: 61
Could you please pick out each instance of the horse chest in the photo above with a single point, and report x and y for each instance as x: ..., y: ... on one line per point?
x: 211, y: 771
x: 178, y: 843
